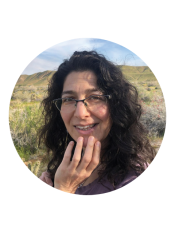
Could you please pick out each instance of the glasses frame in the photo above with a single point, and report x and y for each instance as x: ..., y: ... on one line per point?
x: 54, y: 101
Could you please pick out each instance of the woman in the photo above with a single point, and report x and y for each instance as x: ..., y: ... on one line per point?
x: 92, y: 127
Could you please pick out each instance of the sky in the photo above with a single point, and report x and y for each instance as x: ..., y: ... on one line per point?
x: 51, y: 58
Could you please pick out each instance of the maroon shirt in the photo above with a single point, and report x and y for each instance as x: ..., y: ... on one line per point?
x: 105, y: 186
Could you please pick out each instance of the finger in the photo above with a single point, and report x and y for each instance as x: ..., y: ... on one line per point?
x: 95, y: 157
x: 77, y: 154
x: 88, y: 154
x: 67, y: 154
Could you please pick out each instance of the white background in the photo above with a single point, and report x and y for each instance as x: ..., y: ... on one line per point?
x: 144, y: 27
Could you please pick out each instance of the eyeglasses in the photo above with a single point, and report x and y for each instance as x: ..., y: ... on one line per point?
x: 92, y: 103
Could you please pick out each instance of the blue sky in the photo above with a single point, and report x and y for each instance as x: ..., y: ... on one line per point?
x: 51, y: 58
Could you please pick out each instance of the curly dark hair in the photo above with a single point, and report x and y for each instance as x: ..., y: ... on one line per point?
x: 129, y: 147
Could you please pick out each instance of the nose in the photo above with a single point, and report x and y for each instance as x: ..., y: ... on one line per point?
x: 81, y: 110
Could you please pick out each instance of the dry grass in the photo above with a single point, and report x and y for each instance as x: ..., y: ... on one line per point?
x: 24, y: 117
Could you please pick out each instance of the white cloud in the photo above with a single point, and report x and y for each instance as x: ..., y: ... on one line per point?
x: 52, y: 57
x: 65, y: 49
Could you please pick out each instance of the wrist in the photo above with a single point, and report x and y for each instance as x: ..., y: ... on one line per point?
x: 64, y: 189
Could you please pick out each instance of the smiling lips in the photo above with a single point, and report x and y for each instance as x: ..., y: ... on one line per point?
x: 86, y: 127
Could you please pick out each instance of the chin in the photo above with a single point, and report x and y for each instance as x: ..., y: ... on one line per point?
x: 85, y: 141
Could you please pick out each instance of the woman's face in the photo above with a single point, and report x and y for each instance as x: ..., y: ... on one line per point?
x: 80, y: 85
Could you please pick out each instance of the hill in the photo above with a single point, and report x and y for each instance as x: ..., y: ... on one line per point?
x: 37, y: 79
x: 143, y: 73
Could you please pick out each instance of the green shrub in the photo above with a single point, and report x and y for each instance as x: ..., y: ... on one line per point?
x: 24, y: 122
x: 34, y: 167
x: 154, y: 117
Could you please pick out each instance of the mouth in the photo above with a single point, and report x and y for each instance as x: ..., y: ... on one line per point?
x: 85, y: 127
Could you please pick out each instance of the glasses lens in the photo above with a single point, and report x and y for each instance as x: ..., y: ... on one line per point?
x: 68, y: 102
x: 65, y: 104
x: 96, y: 100
x: 58, y: 104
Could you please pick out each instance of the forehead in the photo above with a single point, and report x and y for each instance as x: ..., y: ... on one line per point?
x: 80, y: 81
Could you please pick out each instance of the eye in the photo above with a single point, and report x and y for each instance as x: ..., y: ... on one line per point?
x: 66, y: 100
x: 96, y: 97
x: 93, y: 97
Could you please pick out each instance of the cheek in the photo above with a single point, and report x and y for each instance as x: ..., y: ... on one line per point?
x: 104, y: 115
x: 65, y: 118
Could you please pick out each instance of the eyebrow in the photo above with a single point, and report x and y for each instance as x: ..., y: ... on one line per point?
x: 86, y: 91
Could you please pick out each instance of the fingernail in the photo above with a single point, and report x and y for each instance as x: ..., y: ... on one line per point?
x: 72, y: 143
x: 91, y: 138
x: 98, y: 144
x: 80, y: 139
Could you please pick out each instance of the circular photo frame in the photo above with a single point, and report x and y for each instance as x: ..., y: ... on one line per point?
x: 87, y: 116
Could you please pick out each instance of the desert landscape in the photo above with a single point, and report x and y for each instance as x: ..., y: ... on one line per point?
x: 25, y: 116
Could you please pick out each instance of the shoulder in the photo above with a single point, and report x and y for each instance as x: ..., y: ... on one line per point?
x: 130, y: 176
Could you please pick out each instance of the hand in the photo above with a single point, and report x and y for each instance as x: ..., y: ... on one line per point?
x: 70, y: 174
x: 45, y: 176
